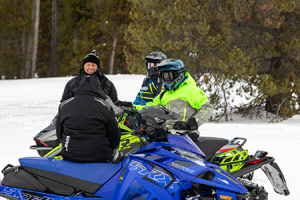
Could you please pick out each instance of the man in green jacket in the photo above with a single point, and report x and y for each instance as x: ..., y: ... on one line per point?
x: 181, y: 96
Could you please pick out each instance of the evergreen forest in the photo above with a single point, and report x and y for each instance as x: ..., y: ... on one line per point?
x: 221, y: 42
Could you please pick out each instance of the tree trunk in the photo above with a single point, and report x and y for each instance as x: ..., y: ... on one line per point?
x: 30, y: 65
x: 28, y: 57
x: 29, y: 52
x: 22, y: 41
x: 35, y: 35
x: 112, y: 55
x: 53, y: 39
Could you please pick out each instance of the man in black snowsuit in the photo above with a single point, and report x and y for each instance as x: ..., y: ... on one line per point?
x: 86, y: 125
x: 91, y: 66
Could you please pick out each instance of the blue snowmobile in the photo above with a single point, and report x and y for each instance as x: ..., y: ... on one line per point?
x: 168, y: 167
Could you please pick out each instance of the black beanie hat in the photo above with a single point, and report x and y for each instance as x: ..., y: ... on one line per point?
x: 91, y: 57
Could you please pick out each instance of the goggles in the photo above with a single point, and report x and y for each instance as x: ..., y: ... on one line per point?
x: 151, y: 65
x: 169, y: 76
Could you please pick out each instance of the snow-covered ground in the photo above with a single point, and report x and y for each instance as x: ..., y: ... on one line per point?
x: 27, y: 106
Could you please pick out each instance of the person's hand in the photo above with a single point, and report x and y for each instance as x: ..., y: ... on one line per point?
x: 194, y: 136
x: 124, y: 103
x: 191, y: 124
x: 181, y: 125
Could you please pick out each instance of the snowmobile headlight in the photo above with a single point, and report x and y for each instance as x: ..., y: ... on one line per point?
x: 189, y: 156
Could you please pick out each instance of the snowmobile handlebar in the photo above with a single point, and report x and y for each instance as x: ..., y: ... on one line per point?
x: 129, y: 109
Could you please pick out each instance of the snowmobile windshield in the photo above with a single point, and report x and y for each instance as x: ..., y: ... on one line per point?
x: 195, y: 158
x: 157, y: 114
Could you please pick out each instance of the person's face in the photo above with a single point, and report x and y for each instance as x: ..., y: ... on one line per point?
x: 90, y: 68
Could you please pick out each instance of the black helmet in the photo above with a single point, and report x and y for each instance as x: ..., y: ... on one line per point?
x: 152, y: 60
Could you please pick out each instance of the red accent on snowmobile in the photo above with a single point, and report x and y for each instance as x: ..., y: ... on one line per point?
x: 224, y: 150
x: 256, y: 161
x: 43, y: 143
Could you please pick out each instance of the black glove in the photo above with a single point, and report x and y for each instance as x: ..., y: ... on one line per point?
x: 181, y: 125
x: 124, y: 103
x: 191, y: 124
x: 194, y: 136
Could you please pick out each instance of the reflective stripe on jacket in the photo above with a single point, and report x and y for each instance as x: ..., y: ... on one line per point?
x: 149, y: 90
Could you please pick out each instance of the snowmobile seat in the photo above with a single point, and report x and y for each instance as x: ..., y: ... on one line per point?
x: 210, y: 145
x: 88, y: 177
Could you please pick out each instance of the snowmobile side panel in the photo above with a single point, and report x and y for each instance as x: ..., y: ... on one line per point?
x: 57, y: 187
x: 13, y: 193
x: 276, y: 178
x: 8, y: 193
x: 77, y: 175
x: 80, y: 184
x: 18, y: 177
x: 104, y: 171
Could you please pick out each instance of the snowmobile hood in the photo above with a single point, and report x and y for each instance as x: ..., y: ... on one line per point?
x: 220, y: 179
x: 190, y: 168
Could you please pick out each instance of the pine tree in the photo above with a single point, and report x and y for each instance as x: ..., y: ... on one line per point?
x: 269, y: 32
x: 252, y: 41
x: 15, y: 18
